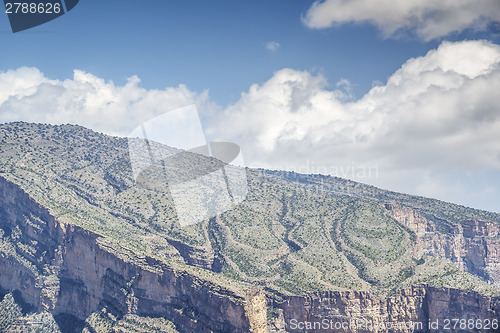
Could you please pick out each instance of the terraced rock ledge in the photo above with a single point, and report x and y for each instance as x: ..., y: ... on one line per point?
x: 83, y: 247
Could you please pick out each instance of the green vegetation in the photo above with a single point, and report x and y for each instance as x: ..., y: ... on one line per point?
x: 104, y: 322
x: 293, y: 233
x: 15, y: 316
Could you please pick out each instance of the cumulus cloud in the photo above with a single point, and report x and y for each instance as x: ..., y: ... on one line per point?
x: 441, y: 99
x: 436, y: 113
x: 428, y: 19
x: 431, y: 129
x: 26, y: 94
x: 273, y: 46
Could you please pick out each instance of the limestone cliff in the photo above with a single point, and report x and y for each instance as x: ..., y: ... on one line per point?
x: 85, y: 247
x: 473, y: 245
x: 415, y: 309
x: 65, y: 269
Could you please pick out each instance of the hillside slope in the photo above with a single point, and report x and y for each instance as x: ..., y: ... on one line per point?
x: 77, y: 225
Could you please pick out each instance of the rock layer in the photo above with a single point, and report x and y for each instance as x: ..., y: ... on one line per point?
x: 65, y: 269
x: 472, y: 245
x: 415, y: 309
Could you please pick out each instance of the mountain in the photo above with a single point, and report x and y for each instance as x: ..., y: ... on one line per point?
x: 85, y: 246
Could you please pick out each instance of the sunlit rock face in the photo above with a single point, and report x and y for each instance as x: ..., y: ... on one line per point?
x: 85, y: 247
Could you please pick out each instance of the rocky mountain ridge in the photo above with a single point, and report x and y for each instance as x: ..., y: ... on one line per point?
x: 87, y: 275
x: 83, y: 244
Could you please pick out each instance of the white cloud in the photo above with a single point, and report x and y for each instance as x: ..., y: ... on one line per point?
x: 432, y: 129
x: 437, y: 112
x: 428, y: 19
x: 26, y: 94
x: 273, y: 46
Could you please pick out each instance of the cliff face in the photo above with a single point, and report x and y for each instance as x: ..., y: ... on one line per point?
x: 472, y: 245
x: 112, y: 252
x: 65, y: 269
x: 415, y: 309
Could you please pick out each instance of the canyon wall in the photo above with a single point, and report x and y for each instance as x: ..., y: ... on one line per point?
x: 472, y: 245
x: 415, y: 309
x: 65, y: 269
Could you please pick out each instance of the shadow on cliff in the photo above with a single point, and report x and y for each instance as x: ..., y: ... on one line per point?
x: 69, y: 324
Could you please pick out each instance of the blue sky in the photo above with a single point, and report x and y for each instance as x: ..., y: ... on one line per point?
x: 220, y: 46
x: 406, y: 88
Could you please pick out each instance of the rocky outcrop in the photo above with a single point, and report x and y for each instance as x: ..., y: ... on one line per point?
x: 411, y: 219
x: 302, y: 232
x: 415, y: 309
x: 194, y: 256
x: 472, y: 245
x: 68, y: 270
